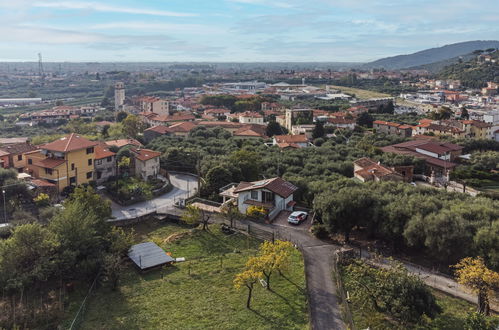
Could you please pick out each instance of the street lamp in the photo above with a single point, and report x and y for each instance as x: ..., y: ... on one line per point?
x: 4, y: 207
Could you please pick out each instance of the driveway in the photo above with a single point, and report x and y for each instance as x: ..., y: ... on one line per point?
x: 325, y: 312
x: 184, y: 186
x: 282, y: 221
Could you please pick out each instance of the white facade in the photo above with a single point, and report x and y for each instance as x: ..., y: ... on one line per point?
x: 280, y: 203
x: 145, y: 169
x: 251, y: 120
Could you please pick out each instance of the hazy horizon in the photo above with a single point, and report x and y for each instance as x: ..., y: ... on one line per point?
x: 237, y: 31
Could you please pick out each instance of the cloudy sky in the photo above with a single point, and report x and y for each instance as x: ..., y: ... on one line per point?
x: 237, y: 30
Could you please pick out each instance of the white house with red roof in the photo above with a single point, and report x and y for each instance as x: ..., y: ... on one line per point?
x: 274, y: 195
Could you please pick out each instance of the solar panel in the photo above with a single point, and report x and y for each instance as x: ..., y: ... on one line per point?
x: 148, y: 255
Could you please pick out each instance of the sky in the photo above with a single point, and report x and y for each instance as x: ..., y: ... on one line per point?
x: 237, y: 30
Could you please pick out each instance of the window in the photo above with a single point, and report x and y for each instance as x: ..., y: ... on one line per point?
x: 48, y: 171
x: 99, y: 175
x: 254, y: 195
x: 109, y: 159
x: 30, y: 161
x: 98, y: 161
x: 109, y: 169
x: 267, y: 197
x: 90, y: 162
x: 72, y: 167
x: 72, y: 180
x: 90, y: 150
x: 89, y: 175
x: 19, y: 157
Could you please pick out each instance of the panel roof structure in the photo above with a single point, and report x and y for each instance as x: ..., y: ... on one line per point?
x: 148, y: 255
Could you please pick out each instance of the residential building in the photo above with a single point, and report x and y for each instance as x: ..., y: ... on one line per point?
x: 104, y: 163
x: 145, y: 163
x: 439, y: 156
x: 217, y: 113
x: 341, y: 123
x: 293, y: 141
x: 391, y: 128
x: 247, y: 117
x: 150, y: 104
x: 274, y: 195
x: 12, y: 155
x: 68, y: 161
x: 124, y: 143
x: 366, y: 169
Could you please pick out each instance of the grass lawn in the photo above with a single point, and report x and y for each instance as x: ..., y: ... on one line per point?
x: 360, y: 93
x: 454, y: 312
x: 204, y: 299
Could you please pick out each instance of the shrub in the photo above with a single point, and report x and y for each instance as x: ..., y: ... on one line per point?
x: 320, y: 231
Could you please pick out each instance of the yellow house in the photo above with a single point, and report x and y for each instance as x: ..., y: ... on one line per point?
x: 64, y: 162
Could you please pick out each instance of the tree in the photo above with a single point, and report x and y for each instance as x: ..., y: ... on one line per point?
x: 249, y: 162
x: 273, y: 128
x: 247, y: 278
x: 318, y: 130
x: 343, y: 210
x: 272, y: 256
x: 472, y: 273
x: 365, y: 119
x: 216, y: 178
x: 195, y: 215
x: 394, y: 291
x: 132, y: 126
x: 121, y: 116
x: 464, y: 113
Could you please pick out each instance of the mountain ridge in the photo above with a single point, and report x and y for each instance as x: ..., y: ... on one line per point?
x: 431, y: 55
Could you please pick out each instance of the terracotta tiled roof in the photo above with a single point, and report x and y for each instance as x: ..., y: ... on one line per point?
x: 276, y: 185
x: 49, y: 162
x: 41, y: 183
x: 101, y: 151
x: 301, y: 138
x: 161, y: 129
x: 69, y: 143
x: 184, y: 127
x: 145, y: 154
x: 124, y: 142
x: 386, y: 123
x: 285, y: 145
x: 18, y: 148
x: 340, y: 121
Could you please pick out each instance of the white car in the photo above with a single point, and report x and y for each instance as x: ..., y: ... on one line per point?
x: 297, y: 217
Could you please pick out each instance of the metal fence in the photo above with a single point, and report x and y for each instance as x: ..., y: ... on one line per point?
x: 342, y: 294
x: 78, y: 319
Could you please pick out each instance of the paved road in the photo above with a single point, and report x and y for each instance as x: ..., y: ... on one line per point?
x: 183, y: 186
x: 435, y: 280
x: 325, y: 312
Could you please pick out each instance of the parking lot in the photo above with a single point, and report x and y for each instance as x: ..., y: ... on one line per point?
x: 282, y: 220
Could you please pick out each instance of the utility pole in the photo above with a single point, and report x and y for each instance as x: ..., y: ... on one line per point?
x: 4, y: 207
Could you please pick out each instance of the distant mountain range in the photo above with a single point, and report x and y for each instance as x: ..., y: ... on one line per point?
x: 447, y: 54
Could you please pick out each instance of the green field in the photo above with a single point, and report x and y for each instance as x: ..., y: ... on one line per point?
x: 453, y: 316
x: 360, y: 93
x: 204, y: 299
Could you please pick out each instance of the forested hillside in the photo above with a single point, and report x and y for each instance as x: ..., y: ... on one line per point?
x: 473, y: 73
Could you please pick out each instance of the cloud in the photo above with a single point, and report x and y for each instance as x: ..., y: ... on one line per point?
x: 200, y: 29
x: 100, y: 7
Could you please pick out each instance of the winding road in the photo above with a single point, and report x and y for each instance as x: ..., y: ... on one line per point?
x: 184, y: 185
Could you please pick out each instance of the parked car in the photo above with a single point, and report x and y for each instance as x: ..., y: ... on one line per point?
x: 297, y: 217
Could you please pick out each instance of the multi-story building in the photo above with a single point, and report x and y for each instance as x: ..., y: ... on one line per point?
x: 392, y: 128
x: 145, y: 163
x: 104, y: 163
x: 12, y: 155
x: 68, y: 161
x: 247, y: 117
x: 148, y: 104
